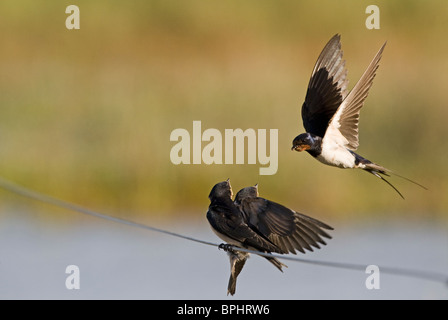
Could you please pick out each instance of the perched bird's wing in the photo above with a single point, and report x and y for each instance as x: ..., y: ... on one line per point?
x: 231, y: 225
x: 343, y: 126
x: 326, y: 90
x: 287, y: 229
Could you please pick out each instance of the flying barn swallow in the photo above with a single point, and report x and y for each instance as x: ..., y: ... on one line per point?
x: 330, y: 113
x: 258, y: 224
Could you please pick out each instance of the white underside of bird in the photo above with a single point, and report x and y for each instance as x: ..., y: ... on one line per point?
x: 334, y: 150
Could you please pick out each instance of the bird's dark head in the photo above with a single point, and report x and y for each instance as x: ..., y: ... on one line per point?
x: 248, y: 192
x: 221, y: 189
x: 303, y: 142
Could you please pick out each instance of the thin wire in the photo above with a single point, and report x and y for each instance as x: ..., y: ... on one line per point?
x: 28, y: 193
x: 427, y: 275
x: 15, y: 188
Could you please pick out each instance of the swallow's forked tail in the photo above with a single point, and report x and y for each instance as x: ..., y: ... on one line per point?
x: 378, y: 171
x: 237, y: 261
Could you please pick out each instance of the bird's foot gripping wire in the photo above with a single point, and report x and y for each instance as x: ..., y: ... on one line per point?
x: 226, y: 247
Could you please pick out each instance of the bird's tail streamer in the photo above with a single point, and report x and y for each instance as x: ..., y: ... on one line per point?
x: 41, y: 197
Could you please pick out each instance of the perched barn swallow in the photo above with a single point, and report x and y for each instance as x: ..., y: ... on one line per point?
x: 258, y: 224
x: 287, y: 229
x: 330, y: 113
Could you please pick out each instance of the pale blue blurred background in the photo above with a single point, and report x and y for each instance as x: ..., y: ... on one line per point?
x: 121, y: 262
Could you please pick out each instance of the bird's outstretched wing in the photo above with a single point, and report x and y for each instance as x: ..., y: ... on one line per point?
x: 326, y: 90
x: 343, y: 126
x: 287, y: 229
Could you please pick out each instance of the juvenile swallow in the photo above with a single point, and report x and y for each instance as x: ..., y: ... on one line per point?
x: 287, y: 229
x: 230, y: 225
x: 330, y: 113
x: 261, y: 225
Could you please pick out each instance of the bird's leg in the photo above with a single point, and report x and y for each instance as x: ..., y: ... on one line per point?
x: 226, y: 247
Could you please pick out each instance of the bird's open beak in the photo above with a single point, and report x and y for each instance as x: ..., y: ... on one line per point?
x: 301, y: 147
x: 230, y: 187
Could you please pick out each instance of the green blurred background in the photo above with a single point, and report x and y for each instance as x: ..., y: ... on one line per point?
x: 86, y: 115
